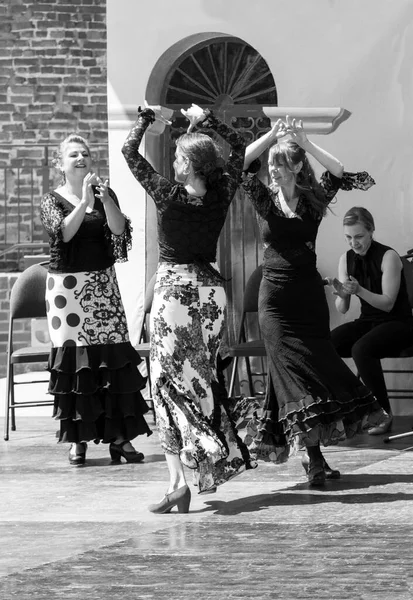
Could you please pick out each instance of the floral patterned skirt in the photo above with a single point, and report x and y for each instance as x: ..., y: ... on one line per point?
x: 191, y: 405
x: 94, y: 375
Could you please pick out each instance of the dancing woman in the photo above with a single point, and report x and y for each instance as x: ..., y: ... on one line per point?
x: 312, y: 397
x: 187, y: 315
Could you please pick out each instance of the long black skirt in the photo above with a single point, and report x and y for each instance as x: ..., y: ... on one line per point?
x: 312, y: 396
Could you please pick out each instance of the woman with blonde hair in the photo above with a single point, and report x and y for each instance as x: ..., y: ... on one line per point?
x: 94, y: 375
x: 373, y: 273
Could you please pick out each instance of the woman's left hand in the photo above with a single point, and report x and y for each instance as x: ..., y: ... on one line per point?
x: 351, y: 286
x: 295, y: 129
x: 195, y: 114
x: 102, y: 190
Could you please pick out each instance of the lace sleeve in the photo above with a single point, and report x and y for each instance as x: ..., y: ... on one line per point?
x: 349, y: 181
x: 119, y: 244
x: 157, y: 186
x: 260, y: 195
x: 235, y: 161
x: 52, y: 216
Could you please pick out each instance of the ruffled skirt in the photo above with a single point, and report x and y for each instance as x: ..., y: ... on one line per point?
x: 94, y: 375
x: 191, y: 403
x: 312, y: 396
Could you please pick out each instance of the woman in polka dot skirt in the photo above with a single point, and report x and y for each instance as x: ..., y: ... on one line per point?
x: 94, y: 375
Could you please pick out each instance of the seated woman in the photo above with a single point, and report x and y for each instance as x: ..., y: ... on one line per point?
x: 374, y: 273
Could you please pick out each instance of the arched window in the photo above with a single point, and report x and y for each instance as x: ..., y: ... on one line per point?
x: 221, y: 73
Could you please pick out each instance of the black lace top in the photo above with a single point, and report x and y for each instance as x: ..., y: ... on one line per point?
x: 94, y: 247
x: 289, y: 242
x: 188, y: 226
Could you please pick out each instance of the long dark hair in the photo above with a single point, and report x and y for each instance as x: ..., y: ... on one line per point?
x: 204, y: 155
x: 289, y: 154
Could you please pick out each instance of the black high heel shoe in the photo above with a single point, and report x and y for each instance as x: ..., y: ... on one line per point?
x: 328, y: 471
x: 181, y: 498
x: 77, y: 458
x: 117, y: 452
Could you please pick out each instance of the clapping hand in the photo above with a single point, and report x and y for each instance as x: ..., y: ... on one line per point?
x: 102, y: 190
x: 87, y: 192
x: 351, y: 286
x: 195, y: 114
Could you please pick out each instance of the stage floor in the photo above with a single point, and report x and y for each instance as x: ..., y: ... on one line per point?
x: 85, y: 533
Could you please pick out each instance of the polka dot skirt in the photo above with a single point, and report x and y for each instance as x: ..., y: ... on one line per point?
x: 85, y: 309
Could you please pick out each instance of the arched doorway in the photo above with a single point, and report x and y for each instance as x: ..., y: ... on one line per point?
x: 228, y: 75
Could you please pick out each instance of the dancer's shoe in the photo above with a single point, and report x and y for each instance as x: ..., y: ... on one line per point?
x: 382, y: 427
x: 210, y: 490
x: 328, y: 471
x: 315, y: 471
x: 117, y: 452
x: 77, y: 458
x: 181, y: 498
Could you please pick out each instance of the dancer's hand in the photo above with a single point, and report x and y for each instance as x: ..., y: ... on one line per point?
x: 195, y: 114
x: 295, y: 129
x: 157, y: 109
x: 278, y: 130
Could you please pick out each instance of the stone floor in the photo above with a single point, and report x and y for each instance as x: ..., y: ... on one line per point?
x: 85, y: 533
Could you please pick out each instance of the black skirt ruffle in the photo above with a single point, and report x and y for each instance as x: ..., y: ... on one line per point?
x: 97, y: 393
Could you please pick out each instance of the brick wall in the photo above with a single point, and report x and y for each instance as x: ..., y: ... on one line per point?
x: 52, y: 82
x: 53, y: 70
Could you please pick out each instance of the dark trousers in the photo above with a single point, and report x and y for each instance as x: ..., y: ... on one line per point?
x: 366, y: 343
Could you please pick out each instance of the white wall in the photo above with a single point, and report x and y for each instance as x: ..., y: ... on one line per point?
x: 357, y: 54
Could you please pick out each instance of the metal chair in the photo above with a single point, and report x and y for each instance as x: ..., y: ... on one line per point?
x: 27, y: 301
x: 248, y: 345
x: 407, y: 352
x: 143, y: 346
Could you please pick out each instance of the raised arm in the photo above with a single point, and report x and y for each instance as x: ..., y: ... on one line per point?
x: 256, y: 148
x: 155, y: 184
x: 328, y: 161
x: 206, y: 119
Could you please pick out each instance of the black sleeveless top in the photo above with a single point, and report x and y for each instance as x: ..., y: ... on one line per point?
x: 367, y: 270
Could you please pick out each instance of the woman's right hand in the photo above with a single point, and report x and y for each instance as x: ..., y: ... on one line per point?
x: 278, y: 130
x: 88, y: 197
x: 157, y: 109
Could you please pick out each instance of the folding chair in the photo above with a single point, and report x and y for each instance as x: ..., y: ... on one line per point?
x: 248, y: 346
x: 27, y: 301
x: 407, y: 352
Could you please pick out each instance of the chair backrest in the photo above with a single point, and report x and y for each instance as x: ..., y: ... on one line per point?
x: 251, y: 291
x: 407, y: 261
x: 27, y: 298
